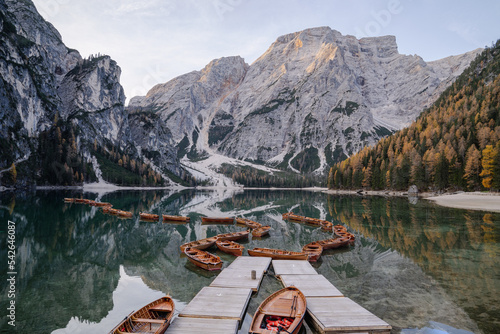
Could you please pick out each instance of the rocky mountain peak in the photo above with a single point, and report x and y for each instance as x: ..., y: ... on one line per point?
x: 312, y: 98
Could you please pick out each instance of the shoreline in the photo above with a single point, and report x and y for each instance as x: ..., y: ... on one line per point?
x: 469, y: 201
x: 480, y: 201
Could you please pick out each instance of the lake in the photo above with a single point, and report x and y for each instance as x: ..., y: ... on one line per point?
x: 419, y: 267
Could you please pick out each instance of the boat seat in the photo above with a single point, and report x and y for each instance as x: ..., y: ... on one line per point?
x: 162, y: 307
x: 153, y: 321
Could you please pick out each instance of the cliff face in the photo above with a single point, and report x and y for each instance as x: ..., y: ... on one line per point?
x: 47, y: 89
x: 312, y: 98
x: 33, y: 62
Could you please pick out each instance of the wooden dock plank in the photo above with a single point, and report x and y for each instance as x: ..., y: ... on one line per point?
x: 293, y: 267
x: 238, y: 278
x: 218, y: 303
x: 311, y: 285
x: 252, y: 263
x: 202, y: 326
x: 341, y: 314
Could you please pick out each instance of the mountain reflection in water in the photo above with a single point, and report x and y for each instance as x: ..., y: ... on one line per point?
x: 412, y: 264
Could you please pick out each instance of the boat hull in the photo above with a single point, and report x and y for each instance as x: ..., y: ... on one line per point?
x: 177, y: 219
x: 234, y: 236
x: 285, y: 308
x: 261, y: 231
x: 203, y: 259
x: 153, y: 318
x: 230, y: 247
x: 217, y: 220
x: 277, y: 254
x: 314, y: 250
x: 201, y: 244
x: 148, y: 216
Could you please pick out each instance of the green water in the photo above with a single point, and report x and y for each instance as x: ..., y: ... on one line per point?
x: 419, y: 267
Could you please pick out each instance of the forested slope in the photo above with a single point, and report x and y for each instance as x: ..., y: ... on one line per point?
x: 454, y: 144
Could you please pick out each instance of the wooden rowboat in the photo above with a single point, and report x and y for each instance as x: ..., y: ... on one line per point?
x: 283, y: 309
x: 102, y: 204
x: 203, y: 259
x: 80, y: 200
x: 333, y: 243
x: 199, y: 244
x: 277, y: 254
x: 153, y: 318
x: 314, y: 250
x: 180, y: 219
x: 339, y: 229
x: 217, y: 220
x: 232, y: 236
x: 261, y: 231
x: 149, y: 216
x: 69, y: 200
x: 248, y: 223
x: 121, y: 213
x: 241, y: 221
x: 230, y: 247
x: 326, y: 225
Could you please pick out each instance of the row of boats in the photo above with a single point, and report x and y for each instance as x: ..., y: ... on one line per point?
x: 283, y: 311
x: 324, y: 224
x: 108, y: 209
x: 197, y: 254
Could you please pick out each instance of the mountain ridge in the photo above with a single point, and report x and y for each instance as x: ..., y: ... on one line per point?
x: 306, y: 86
x: 312, y: 98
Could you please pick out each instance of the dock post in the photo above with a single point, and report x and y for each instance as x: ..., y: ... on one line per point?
x: 254, y: 274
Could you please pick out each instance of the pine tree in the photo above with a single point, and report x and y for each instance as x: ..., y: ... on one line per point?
x: 488, y: 164
x: 472, y: 167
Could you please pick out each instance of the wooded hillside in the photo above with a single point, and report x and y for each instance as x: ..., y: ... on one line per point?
x: 454, y: 144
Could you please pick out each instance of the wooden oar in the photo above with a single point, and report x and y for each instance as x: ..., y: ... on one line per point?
x: 294, y: 305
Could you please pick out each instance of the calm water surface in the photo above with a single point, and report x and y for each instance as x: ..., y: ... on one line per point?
x: 420, y: 267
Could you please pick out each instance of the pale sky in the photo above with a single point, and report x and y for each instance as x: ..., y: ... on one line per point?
x: 154, y: 41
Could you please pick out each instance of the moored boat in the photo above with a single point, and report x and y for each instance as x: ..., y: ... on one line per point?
x: 293, y: 216
x: 217, y: 220
x: 180, y: 219
x: 333, y: 243
x: 241, y: 221
x: 248, y: 223
x: 232, y: 236
x: 69, y: 200
x: 121, y: 213
x: 283, y: 311
x: 314, y: 250
x: 153, y: 318
x: 230, y: 247
x: 202, y: 259
x: 149, y: 216
x: 80, y: 200
x: 199, y: 244
x: 102, y: 204
x: 326, y: 225
x: 261, y: 231
x: 277, y: 254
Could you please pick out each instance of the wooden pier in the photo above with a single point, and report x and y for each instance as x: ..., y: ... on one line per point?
x: 239, y: 273
x: 220, y: 307
x: 327, y: 309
